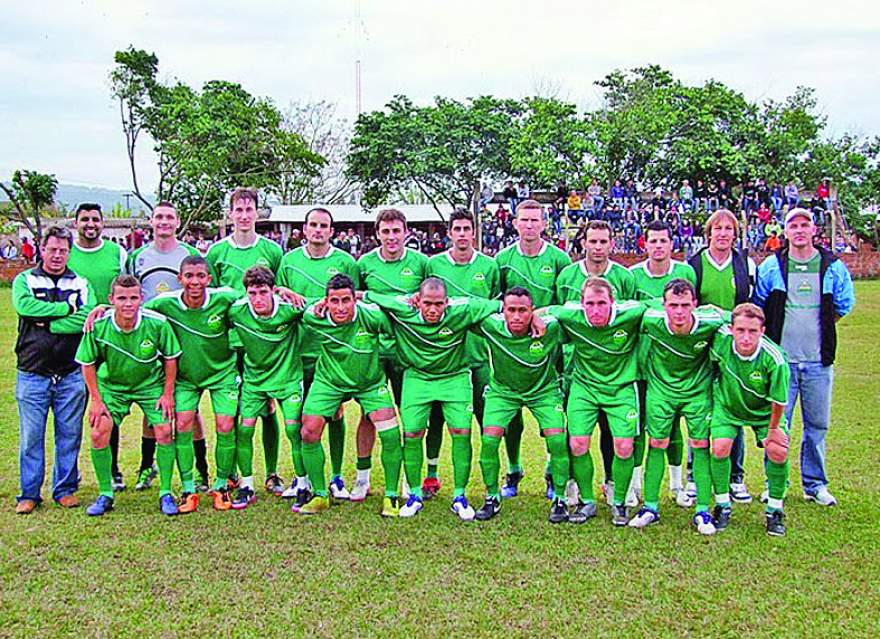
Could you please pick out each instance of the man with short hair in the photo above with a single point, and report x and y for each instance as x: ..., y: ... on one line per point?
x: 804, y: 290
x: 51, y: 302
x: 121, y: 365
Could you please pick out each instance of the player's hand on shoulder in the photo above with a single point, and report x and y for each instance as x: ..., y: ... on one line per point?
x: 290, y: 297
x: 538, y: 327
x: 94, y: 315
x: 319, y: 308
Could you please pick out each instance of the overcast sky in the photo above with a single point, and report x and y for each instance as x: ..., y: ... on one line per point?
x: 56, y: 114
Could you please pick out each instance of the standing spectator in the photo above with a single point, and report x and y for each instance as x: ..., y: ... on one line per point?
x: 509, y: 194
x: 341, y: 242
x: 10, y: 252
x: 596, y: 199
x: 618, y: 194
x: 632, y: 194
x: 776, y: 197
x: 51, y: 302
x: 700, y: 195
x: 354, y: 241
x: 27, y: 250
x: 823, y: 192
x: 555, y: 215
x: 725, y: 195
x: 561, y: 195
x: 749, y: 197
x: 805, y: 290
x: 762, y: 194
x: 711, y: 197
x: 487, y: 194
x: 412, y: 241
x: 792, y: 197
x: 523, y: 192
x: 686, y: 195
x: 574, y: 206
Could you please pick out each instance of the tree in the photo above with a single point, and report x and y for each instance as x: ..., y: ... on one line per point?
x: 30, y: 193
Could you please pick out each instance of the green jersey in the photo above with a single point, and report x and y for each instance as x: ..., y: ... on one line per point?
x: 207, y: 357
x: 650, y: 287
x: 604, y: 356
x: 571, y: 280
x: 272, y: 360
x: 478, y: 278
x: 99, y: 265
x: 537, y: 273
x: 349, y: 355
x: 308, y: 276
x: 435, y: 351
x: 229, y: 261
x: 747, y: 386
x: 521, y: 366
x: 678, y: 366
x: 129, y: 362
x: 399, y: 277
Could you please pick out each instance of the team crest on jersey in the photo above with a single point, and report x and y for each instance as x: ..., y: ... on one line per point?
x: 296, y: 397
x: 215, y: 322
x: 445, y: 332
x: 479, y: 277
x: 406, y: 272
x: 756, y: 377
x: 559, y: 408
x: 362, y: 335
x: 163, y: 287
x: 632, y: 415
x: 148, y: 347
x: 536, y: 347
x: 700, y: 346
x: 619, y: 336
x: 547, y: 270
x: 383, y: 390
x: 332, y: 270
x: 262, y: 261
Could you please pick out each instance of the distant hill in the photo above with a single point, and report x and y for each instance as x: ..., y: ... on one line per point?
x: 72, y: 194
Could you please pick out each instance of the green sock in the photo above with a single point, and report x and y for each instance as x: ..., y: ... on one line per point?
x: 165, y: 460
x: 271, y: 435
x: 244, y: 449
x: 292, y: 430
x: 364, y: 463
x: 582, y: 471
x: 621, y: 473
x: 777, y: 482
x: 434, y: 439
x: 557, y: 446
x: 462, y: 456
x: 413, y: 456
x: 185, y: 453
x: 513, y: 443
x: 102, y: 460
x: 313, y: 456
x: 655, y: 464
x: 702, y: 478
x: 336, y: 436
x: 720, y: 473
x: 490, y: 463
x: 639, y: 448
x: 224, y: 457
x: 392, y: 458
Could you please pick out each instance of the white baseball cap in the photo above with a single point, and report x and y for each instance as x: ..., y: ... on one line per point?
x: 795, y: 212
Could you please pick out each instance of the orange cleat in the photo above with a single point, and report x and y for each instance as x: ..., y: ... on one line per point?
x: 221, y: 500
x: 189, y: 503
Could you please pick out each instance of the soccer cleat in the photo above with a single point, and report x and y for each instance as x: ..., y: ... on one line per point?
x: 168, y: 506
x: 243, y: 498
x: 572, y: 493
x: 412, y: 506
x: 490, y: 508
x: 303, y: 496
x: 146, y: 477
x: 511, y: 485
x: 821, y: 497
x: 102, y: 506
x: 390, y: 507
x: 775, y: 525
x: 682, y: 498
x: 462, y: 508
x: 558, y: 511
x: 290, y: 491
x: 430, y: 487
x: 551, y: 493
x: 619, y: 516
x: 691, y: 490
x: 740, y: 494
x: 232, y: 483
x: 189, y: 503
x: 582, y: 512
x: 221, y: 499
x: 721, y: 517
x: 703, y: 523
x: 338, y: 490
x: 204, y: 484
x: 607, y: 492
x: 765, y: 495
x: 361, y: 490
x: 632, y: 496
x: 118, y: 483
x: 644, y: 518
x: 274, y: 485
x: 315, y: 506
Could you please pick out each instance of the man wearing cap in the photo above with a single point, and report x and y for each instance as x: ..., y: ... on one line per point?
x: 804, y: 290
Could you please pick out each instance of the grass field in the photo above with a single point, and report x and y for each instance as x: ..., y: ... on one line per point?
x: 265, y: 572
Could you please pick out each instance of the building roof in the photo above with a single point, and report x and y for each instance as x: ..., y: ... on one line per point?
x: 353, y: 213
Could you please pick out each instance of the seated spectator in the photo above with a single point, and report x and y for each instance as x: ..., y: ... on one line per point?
x: 700, y: 195
x: 792, y: 197
x: 9, y: 251
x: 711, y: 197
x: 595, y: 193
x: 686, y: 195
x: 763, y: 213
x: 574, y: 206
x: 618, y: 194
x: 487, y: 194
x: 776, y: 197
x: 509, y: 194
x: 773, y: 243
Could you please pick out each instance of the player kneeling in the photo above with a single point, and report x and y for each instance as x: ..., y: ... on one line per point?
x: 751, y: 390
x: 121, y: 365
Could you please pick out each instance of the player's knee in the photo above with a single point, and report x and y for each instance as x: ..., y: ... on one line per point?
x: 493, y: 431
x: 250, y: 422
x: 385, y: 425
x: 414, y: 434
x: 311, y: 430
x: 623, y: 447
x: 184, y: 420
x: 365, y: 426
x: 699, y: 443
x: 459, y: 432
x: 100, y: 434
x: 721, y: 448
x: 225, y: 424
x: 579, y: 445
x: 659, y: 443
x: 163, y: 434
x: 775, y: 452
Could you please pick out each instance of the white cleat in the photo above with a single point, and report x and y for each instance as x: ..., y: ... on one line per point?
x: 608, y: 492
x: 765, y: 495
x: 360, y: 491
x: 682, y: 498
x: 412, y: 506
x: 703, y: 523
x: 822, y: 497
x: 572, y: 494
x: 740, y: 494
x: 338, y: 490
x: 463, y: 509
x: 644, y: 518
x: 632, y: 498
x: 290, y: 491
x: 691, y: 490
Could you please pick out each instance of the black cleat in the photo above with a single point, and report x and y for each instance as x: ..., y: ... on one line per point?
x: 775, y: 527
x: 558, y: 511
x: 489, y: 509
x: 619, y: 516
x: 511, y: 485
x: 118, y: 483
x: 204, y: 484
x: 721, y: 517
x: 582, y: 512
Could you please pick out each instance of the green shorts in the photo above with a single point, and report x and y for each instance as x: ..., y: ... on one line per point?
x: 394, y: 373
x: 453, y: 393
x: 661, y: 413
x: 323, y: 398
x: 725, y: 426
x: 224, y: 397
x: 502, y: 408
x: 620, y: 407
x: 119, y: 404
x: 255, y: 403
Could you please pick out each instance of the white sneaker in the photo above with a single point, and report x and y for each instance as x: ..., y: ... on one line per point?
x: 360, y: 491
x: 463, y: 509
x: 703, y: 522
x: 740, y: 494
x: 691, y: 490
x: 682, y: 498
x: 632, y: 498
x: 608, y: 492
x: 338, y: 489
x: 412, y: 506
x: 290, y: 491
x: 822, y: 497
x: 644, y: 518
x: 765, y: 495
x: 572, y: 494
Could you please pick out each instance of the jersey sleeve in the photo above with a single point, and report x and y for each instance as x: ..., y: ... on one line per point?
x: 87, y: 351
x: 390, y: 303
x: 169, y: 346
x: 778, y: 384
x: 378, y: 321
x: 74, y: 322
x: 211, y: 259
x: 494, y: 279
x: 480, y: 309
x: 27, y: 305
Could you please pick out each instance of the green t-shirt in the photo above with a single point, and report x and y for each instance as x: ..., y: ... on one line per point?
x: 677, y: 366
x: 604, y: 356
x: 478, y: 278
x: 399, y: 277
x: 717, y: 286
x: 308, y: 276
x: 650, y: 287
x: 99, y: 265
x: 207, y: 357
x: 746, y: 387
x: 228, y: 261
x: 571, y: 280
x: 129, y: 361
x: 272, y: 360
x: 537, y: 273
x: 434, y: 351
x: 349, y: 353
x: 521, y: 366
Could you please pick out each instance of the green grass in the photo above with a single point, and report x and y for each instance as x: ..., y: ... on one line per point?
x: 265, y: 572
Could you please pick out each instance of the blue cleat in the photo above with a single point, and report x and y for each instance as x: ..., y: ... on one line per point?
x: 102, y: 506
x: 551, y: 493
x: 511, y: 485
x: 412, y: 506
x: 167, y: 505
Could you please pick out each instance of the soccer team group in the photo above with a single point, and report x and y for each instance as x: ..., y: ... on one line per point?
x: 424, y: 345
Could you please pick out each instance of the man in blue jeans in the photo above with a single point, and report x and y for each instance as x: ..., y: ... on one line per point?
x: 51, y: 302
x: 805, y: 290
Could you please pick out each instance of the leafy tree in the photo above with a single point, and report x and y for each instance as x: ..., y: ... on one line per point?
x: 30, y: 194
